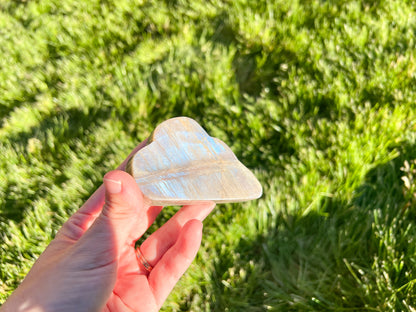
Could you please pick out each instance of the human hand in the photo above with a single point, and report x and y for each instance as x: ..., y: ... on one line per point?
x: 91, y: 265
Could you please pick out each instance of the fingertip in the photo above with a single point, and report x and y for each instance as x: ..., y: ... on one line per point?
x: 118, y: 181
x: 122, y: 194
x: 119, y: 175
x: 193, y: 225
x: 203, y: 205
x: 195, y: 211
x: 112, y: 186
x: 190, y: 238
x: 208, y: 207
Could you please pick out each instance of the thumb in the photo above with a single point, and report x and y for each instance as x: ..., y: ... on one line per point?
x: 102, y: 243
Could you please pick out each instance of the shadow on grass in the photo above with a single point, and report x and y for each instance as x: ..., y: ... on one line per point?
x: 68, y: 128
x: 356, y: 254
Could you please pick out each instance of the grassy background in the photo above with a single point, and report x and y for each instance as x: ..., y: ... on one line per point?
x: 317, y: 97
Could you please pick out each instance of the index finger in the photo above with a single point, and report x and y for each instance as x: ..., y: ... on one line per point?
x: 176, y: 260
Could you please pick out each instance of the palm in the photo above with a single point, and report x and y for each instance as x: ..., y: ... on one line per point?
x: 131, y: 281
x: 169, y: 250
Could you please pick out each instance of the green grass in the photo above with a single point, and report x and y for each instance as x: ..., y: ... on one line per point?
x: 316, y: 97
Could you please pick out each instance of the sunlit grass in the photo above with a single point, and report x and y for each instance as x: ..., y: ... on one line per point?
x: 316, y: 97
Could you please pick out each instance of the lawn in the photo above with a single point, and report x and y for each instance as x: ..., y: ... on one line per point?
x: 318, y: 98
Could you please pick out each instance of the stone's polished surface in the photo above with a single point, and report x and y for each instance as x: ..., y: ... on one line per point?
x: 182, y: 164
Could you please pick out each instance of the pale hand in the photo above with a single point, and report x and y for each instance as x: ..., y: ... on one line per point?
x: 91, y: 265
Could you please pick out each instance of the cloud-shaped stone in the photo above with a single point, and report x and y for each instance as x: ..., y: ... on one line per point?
x: 182, y: 164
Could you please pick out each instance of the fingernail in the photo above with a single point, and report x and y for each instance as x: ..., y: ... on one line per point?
x: 112, y: 186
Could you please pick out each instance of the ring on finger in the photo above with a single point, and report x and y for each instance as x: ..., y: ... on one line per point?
x: 142, y: 260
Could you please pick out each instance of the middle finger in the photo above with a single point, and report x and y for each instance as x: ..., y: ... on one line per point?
x: 155, y: 246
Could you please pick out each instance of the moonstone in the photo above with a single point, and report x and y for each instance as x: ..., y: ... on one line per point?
x: 182, y: 164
